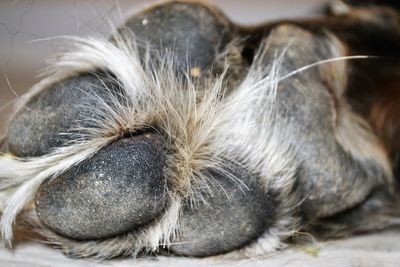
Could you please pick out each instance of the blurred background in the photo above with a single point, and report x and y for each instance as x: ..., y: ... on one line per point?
x: 28, y: 29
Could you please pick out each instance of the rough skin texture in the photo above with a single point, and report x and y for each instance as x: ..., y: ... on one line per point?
x: 53, y: 116
x: 192, y: 32
x: 117, y: 190
x: 234, y: 212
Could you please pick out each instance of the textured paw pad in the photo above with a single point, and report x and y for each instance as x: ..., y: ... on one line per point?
x: 115, y: 191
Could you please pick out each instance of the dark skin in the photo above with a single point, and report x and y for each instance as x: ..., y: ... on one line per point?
x: 236, y: 217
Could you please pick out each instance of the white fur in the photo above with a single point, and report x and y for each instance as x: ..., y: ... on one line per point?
x: 196, y: 119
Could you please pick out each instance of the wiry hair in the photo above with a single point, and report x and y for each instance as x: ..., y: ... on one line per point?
x: 203, y: 125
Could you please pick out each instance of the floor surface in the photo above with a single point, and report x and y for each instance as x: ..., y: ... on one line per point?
x: 373, y: 250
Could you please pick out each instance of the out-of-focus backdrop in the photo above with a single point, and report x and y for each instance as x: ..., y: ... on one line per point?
x: 28, y: 30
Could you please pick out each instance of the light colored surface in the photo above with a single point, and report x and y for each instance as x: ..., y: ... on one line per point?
x: 374, y: 250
